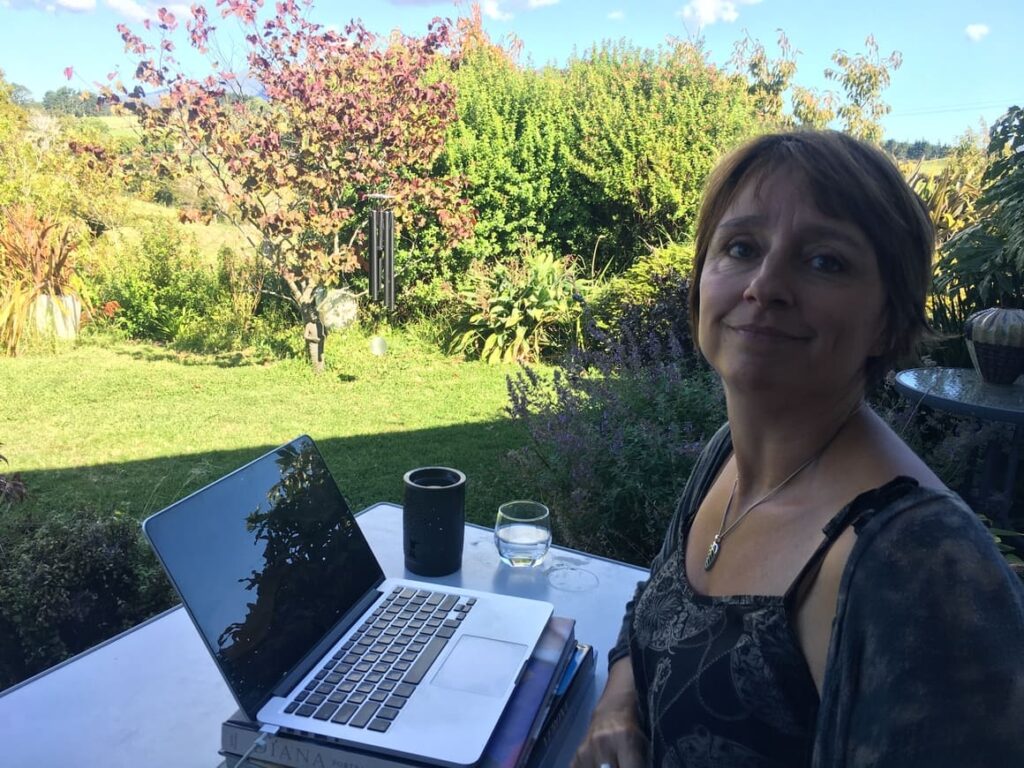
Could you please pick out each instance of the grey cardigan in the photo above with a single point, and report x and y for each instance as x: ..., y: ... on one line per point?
x: 926, y: 662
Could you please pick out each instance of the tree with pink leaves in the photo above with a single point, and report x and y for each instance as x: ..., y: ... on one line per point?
x: 337, y: 117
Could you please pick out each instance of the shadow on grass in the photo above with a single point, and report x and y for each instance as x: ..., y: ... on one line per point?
x: 151, y: 353
x: 367, y: 468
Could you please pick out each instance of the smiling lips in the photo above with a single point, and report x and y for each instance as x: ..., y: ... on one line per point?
x: 765, y: 332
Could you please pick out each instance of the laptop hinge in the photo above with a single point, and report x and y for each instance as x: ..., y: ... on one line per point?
x: 340, y: 627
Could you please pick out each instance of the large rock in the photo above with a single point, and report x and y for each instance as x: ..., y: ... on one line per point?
x: 337, y: 308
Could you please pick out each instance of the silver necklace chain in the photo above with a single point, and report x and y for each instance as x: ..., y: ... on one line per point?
x: 716, y: 543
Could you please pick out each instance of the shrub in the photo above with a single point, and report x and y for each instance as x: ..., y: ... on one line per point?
x: 615, y: 432
x: 160, y: 284
x: 518, y: 310
x: 983, y: 264
x: 649, y: 298
x: 12, y: 489
x: 69, y: 584
x: 647, y: 128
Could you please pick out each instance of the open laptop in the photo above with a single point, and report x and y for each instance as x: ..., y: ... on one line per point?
x: 312, y: 638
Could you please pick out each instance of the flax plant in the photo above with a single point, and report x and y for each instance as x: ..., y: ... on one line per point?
x: 35, y: 260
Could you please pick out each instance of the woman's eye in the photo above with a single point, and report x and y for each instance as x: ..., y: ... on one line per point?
x: 826, y: 262
x: 739, y: 250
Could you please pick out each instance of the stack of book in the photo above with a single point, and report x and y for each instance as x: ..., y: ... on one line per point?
x: 533, y: 731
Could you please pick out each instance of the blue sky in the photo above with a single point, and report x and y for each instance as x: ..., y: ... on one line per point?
x: 959, y: 58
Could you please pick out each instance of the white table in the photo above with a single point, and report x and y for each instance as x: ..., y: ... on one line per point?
x: 152, y: 697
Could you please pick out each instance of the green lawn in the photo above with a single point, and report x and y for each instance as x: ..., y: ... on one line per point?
x: 132, y: 427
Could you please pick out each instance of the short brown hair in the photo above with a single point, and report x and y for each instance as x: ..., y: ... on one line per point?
x: 852, y: 181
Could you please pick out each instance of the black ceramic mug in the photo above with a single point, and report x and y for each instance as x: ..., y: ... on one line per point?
x: 433, y: 520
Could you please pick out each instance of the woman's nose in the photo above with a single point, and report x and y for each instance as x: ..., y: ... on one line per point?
x: 771, y: 283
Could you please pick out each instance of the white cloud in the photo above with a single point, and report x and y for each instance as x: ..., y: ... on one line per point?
x: 492, y: 10
x: 130, y: 9
x: 707, y: 12
x: 616, y: 15
x: 976, y: 31
x: 503, y: 10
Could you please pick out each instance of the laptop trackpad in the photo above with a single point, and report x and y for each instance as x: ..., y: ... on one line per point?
x: 481, y: 665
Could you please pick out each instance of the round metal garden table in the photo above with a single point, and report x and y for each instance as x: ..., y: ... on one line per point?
x: 961, y: 391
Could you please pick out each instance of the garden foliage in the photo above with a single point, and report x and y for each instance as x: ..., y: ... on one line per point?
x: 68, y: 584
x: 12, y: 488
x: 36, y: 260
x: 615, y: 432
x: 508, y: 146
x: 516, y: 310
x: 647, y: 128
x: 157, y: 286
x: 983, y: 265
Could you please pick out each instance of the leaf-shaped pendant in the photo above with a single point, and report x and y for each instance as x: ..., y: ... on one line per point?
x: 712, y: 553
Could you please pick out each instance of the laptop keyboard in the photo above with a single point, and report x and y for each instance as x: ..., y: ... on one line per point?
x: 368, y: 681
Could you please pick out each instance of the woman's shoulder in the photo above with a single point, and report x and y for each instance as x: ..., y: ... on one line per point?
x: 925, y: 546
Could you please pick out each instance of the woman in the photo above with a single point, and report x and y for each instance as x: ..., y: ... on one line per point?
x: 820, y: 598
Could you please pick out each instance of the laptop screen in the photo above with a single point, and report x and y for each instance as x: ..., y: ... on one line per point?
x: 267, y: 560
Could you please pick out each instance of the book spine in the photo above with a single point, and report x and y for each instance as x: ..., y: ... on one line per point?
x: 554, y: 740
x: 297, y: 753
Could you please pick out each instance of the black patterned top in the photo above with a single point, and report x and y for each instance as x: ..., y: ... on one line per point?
x: 722, y: 681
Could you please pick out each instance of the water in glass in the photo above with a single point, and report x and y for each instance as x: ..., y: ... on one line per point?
x: 522, y: 533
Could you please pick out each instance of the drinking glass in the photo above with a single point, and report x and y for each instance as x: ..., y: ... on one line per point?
x: 522, y: 533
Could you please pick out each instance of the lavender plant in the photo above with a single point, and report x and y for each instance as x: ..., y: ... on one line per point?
x: 615, y: 431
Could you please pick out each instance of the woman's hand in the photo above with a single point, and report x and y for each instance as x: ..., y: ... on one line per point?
x: 614, y: 739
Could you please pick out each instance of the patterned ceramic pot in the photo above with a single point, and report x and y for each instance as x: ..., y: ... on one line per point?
x: 995, y: 341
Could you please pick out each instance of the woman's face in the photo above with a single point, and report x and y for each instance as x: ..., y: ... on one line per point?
x: 789, y: 297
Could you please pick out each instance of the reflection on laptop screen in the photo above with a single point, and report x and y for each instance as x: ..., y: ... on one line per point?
x: 268, y: 559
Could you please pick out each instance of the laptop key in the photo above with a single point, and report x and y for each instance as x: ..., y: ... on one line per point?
x: 345, y: 711
x: 305, y: 710
x: 362, y: 717
x: 428, y: 657
x: 325, y: 711
x: 448, y: 602
x: 379, y: 724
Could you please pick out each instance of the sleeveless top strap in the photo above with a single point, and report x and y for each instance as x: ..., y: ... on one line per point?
x: 856, y: 513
